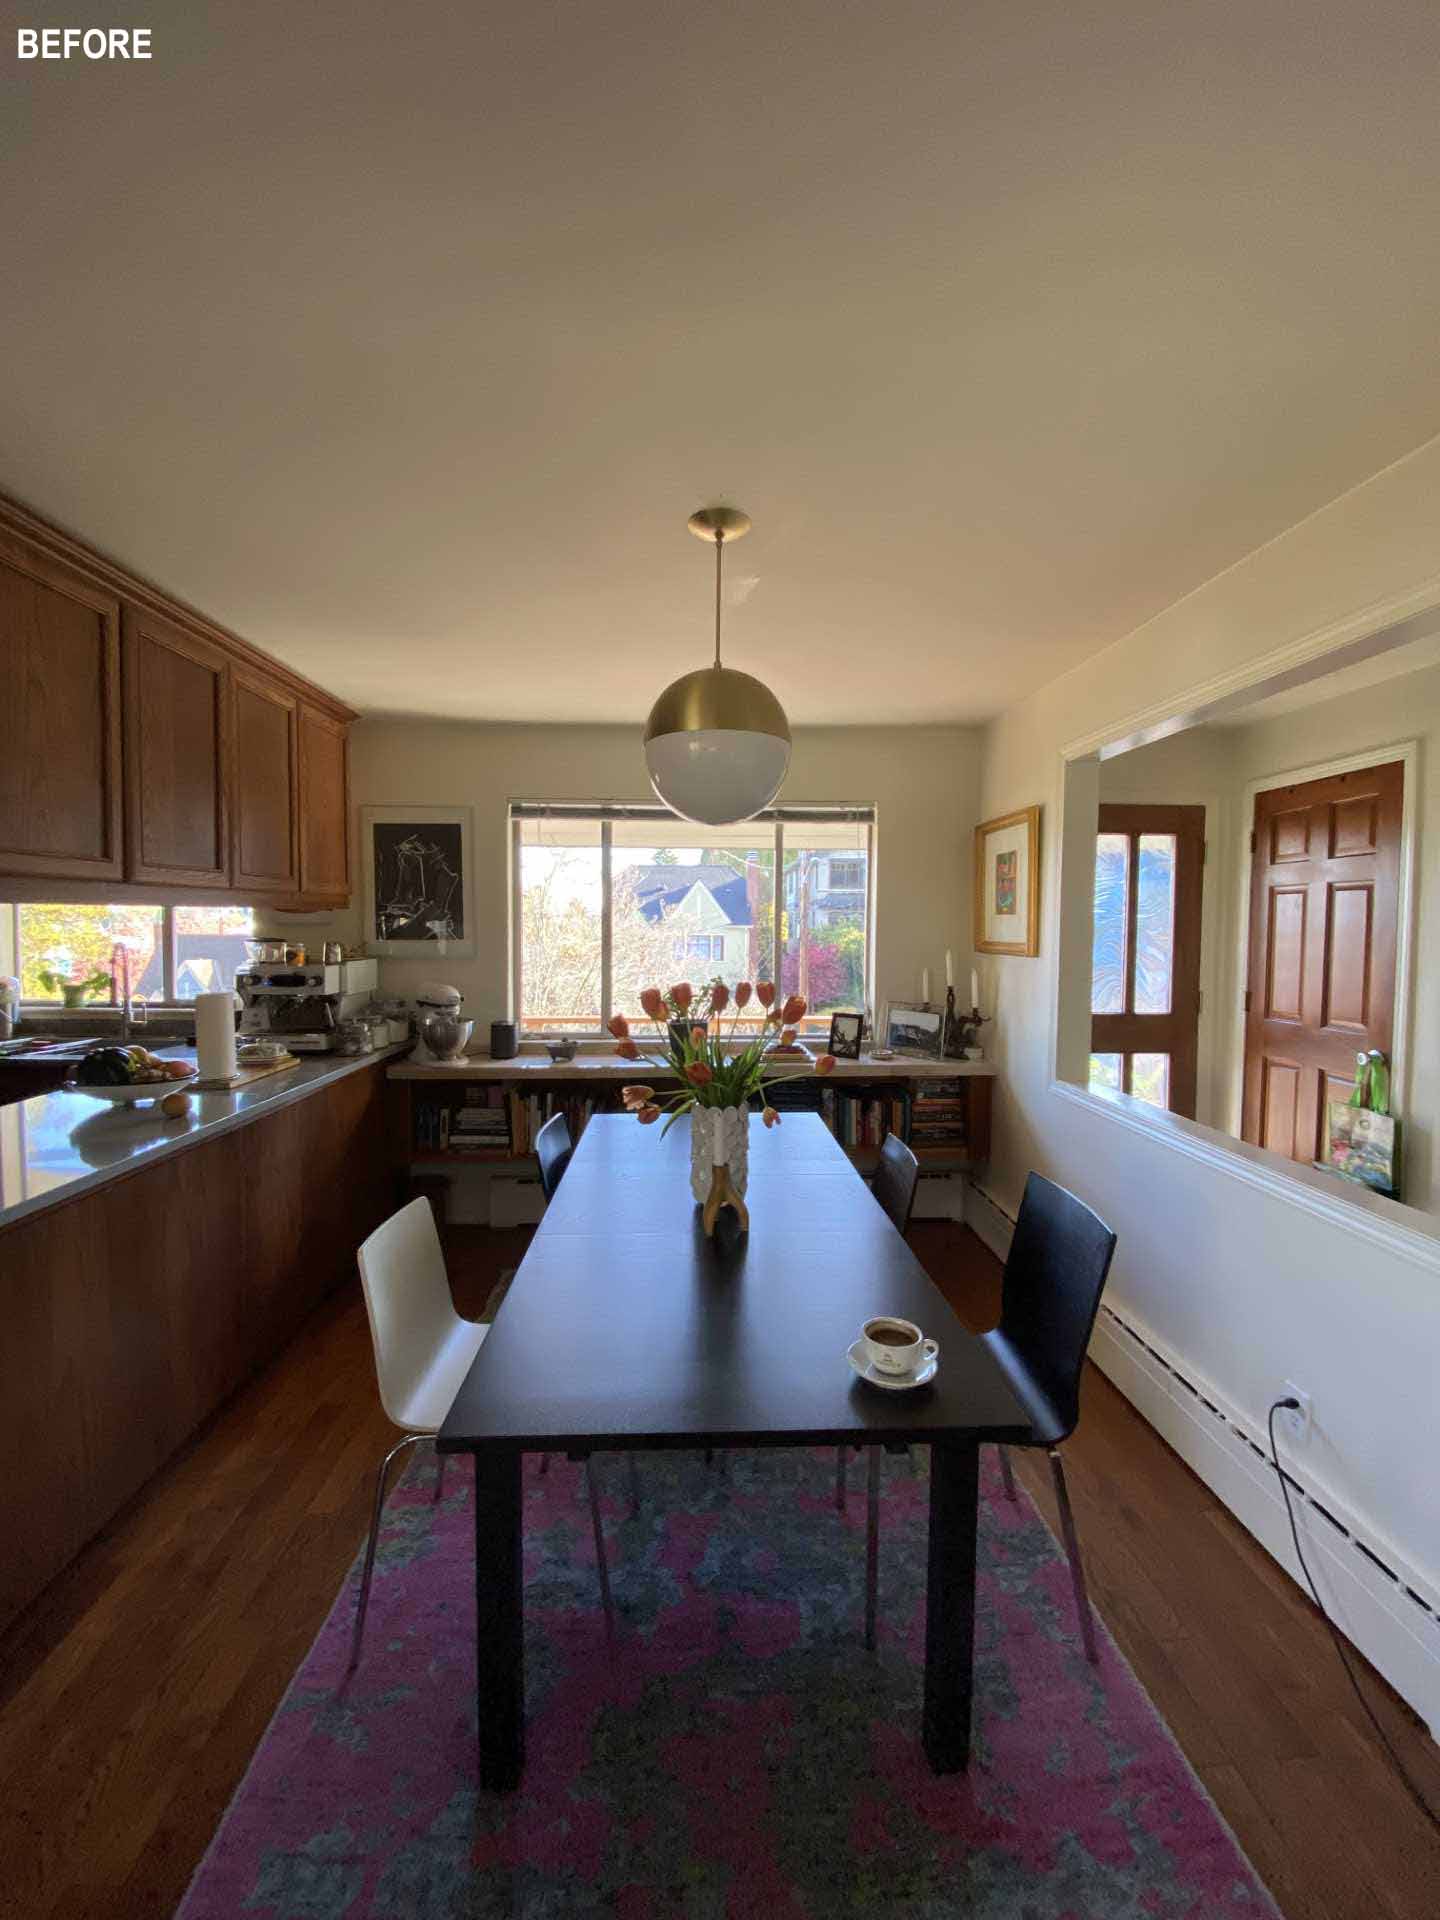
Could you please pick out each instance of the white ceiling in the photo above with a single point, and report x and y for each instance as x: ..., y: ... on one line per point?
x: 403, y: 339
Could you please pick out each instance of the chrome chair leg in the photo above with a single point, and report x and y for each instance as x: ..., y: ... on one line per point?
x: 1072, y: 1551
x: 601, y: 1566
x: 1007, y: 1472
x: 364, y: 1600
x: 840, y: 1485
x: 439, y: 1477
x: 633, y: 1468
x: 872, y: 1549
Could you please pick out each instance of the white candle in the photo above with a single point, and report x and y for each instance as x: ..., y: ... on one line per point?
x: 925, y: 985
x: 949, y: 971
x: 974, y: 988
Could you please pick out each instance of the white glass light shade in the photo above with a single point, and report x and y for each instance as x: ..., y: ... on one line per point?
x: 718, y: 775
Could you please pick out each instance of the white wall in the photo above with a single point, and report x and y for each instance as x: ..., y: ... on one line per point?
x: 1250, y: 1287
x: 1213, y: 766
x: 923, y: 782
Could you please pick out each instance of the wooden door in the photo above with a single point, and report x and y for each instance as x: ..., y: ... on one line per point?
x: 60, y: 805
x: 1145, y: 978
x: 324, y: 806
x: 177, y: 729
x: 1324, y: 919
x: 265, y: 793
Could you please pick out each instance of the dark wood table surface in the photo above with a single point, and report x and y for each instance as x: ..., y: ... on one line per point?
x: 626, y: 1328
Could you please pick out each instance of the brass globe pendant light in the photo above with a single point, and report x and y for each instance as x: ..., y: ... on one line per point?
x: 717, y: 743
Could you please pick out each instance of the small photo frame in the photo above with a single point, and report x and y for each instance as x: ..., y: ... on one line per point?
x: 416, y: 865
x: 845, y: 1032
x: 1007, y: 884
x: 918, y: 1033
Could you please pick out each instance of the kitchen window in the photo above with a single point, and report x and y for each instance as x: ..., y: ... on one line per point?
x: 608, y: 899
x: 175, y: 952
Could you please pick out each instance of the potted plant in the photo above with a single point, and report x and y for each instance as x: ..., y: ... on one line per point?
x: 74, y: 991
x: 719, y: 1076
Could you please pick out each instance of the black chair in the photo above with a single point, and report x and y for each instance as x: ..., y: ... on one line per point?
x: 895, y: 1181
x: 553, y: 1148
x: 894, y: 1186
x: 1059, y: 1259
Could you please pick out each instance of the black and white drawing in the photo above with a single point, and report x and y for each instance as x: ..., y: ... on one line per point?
x: 417, y: 893
x: 916, y: 1031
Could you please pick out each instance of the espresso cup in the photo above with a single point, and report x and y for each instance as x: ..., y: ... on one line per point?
x: 896, y: 1346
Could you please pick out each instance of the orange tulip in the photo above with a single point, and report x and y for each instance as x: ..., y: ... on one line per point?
x: 628, y: 1050
x: 647, y: 1116
x: 765, y: 992
x: 637, y: 1097
x: 699, y: 1029
x: 698, y: 1074
x: 742, y: 993
x: 794, y: 1010
x: 825, y: 1064
x: 719, y: 997
x: 770, y: 1117
x: 619, y: 1026
x: 787, y: 1038
x: 682, y: 996
x: 653, y: 1002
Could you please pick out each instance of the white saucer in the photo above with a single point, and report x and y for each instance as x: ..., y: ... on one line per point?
x: 891, y: 1382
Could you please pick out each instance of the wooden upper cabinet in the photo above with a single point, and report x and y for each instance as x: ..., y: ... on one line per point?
x: 177, y: 753
x: 324, y: 806
x: 60, y: 806
x: 265, y: 794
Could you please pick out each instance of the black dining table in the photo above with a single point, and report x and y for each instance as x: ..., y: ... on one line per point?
x: 625, y: 1328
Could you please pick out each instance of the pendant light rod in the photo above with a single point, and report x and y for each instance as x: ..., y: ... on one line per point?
x: 719, y: 549
x: 718, y: 524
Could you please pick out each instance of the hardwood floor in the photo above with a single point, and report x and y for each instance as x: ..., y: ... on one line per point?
x: 133, y: 1693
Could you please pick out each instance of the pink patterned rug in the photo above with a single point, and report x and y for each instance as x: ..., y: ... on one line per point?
x: 736, y: 1755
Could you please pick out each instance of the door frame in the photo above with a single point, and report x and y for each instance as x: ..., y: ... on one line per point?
x: 1407, y: 752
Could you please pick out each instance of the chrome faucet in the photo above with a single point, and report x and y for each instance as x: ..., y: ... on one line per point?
x: 131, y: 1014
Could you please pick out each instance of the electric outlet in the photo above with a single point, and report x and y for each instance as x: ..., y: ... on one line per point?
x: 1295, y: 1421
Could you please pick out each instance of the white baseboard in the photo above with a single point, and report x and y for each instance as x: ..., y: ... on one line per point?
x: 987, y: 1222
x: 1385, y: 1607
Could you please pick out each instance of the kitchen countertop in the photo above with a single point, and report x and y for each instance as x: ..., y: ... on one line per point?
x: 60, y: 1145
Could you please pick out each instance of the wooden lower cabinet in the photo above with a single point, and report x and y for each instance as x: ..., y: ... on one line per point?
x: 134, y: 1311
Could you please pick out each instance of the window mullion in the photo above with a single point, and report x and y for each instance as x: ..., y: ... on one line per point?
x: 777, y: 906
x: 167, y: 941
x: 606, y: 927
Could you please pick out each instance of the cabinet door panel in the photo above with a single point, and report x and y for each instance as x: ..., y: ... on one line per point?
x: 324, y: 806
x: 59, y: 720
x: 176, y: 755
x: 264, y: 802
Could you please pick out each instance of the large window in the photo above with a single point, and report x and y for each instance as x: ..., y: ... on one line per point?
x: 174, y: 952
x: 609, y: 900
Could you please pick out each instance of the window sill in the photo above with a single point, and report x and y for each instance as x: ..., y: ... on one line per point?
x: 1389, y: 1224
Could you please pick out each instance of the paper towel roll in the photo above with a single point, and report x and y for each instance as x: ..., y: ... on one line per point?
x: 215, y: 1035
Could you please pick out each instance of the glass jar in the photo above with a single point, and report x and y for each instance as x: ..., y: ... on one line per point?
x: 353, y: 1036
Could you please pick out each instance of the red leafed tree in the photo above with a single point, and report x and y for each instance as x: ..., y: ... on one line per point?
x: 827, y: 973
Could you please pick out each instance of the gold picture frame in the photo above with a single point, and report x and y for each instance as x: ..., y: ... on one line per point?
x: 1007, y: 884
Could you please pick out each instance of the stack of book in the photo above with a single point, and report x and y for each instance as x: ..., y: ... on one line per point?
x: 860, y: 1119
x: 482, y: 1123
x: 528, y: 1112
x: 938, y: 1118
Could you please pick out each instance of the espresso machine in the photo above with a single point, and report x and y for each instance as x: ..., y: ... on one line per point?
x: 304, y: 1006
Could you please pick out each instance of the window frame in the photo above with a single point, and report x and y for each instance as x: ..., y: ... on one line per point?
x: 666, y: 822
x: 168, y: 1003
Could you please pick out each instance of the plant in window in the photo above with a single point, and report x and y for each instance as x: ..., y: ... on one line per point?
x: 74, y: 989
x: 719, y: 1076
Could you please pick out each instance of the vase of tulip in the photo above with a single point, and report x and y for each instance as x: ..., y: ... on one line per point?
x: 720, y: 1075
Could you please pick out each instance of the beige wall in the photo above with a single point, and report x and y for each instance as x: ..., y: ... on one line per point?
x: 923, y: 782
x: 1214, y: 766
x: 1251, y: 1286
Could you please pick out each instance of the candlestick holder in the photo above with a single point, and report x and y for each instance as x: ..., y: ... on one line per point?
x: 962, y: 1030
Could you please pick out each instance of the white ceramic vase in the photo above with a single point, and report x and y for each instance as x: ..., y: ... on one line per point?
x: 719, y: 1136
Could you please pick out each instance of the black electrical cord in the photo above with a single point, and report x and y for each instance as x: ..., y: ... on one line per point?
x: 1399, y: 1765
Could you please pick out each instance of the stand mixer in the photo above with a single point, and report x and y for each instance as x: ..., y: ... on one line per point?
x: 444, y: 1036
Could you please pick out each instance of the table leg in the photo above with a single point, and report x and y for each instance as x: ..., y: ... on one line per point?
x: 499, y: 1620
x: 950, y: 1604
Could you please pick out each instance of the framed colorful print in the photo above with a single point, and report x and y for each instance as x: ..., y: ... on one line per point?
x: 1007, y: 883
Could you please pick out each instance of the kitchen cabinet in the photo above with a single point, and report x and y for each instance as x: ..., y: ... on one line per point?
x: 324, y: 807
x: 265, y: 798
x: 60, y: 793
x: 176, y: 746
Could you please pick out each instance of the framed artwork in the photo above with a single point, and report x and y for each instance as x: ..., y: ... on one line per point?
x: 916, y: 1032
x: 845, y: 1032
x: 418, y: 899
x: 1007, y: 883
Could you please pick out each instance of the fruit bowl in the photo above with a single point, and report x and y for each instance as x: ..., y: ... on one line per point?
x: 132, y: 1092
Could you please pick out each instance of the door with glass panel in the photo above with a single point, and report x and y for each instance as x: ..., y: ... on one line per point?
x: 1145, y: 972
